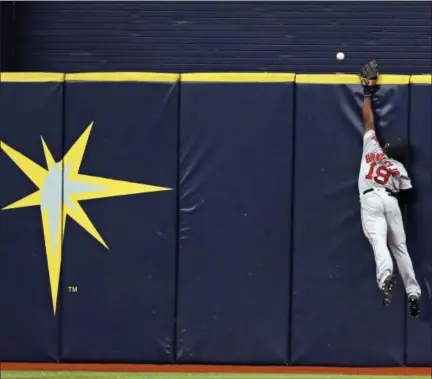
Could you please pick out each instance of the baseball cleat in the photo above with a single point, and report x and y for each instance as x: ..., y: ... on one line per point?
x: 414, y: 306
x: 389, y: 284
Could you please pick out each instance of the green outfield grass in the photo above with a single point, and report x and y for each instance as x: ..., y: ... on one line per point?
x: 178, y: 375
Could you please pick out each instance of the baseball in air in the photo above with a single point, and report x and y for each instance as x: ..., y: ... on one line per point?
x: 340, y: 56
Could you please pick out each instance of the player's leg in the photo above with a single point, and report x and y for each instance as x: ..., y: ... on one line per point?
x: 375, y: 229
x: 398, y: 247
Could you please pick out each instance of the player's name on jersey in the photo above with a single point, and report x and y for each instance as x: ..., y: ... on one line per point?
x: 379, y: 157
x: 375, y: 157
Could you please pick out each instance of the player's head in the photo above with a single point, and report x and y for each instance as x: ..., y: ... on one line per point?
x: 396, y: 149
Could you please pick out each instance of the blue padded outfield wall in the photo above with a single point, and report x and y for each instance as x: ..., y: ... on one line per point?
x: 419, y: 335
x: 203, y: 218
x: 236, y: 142
x: 333, y: 268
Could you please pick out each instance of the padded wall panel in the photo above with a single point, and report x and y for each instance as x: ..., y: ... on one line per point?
x: 119, y: 275
x: 31, y: 113
x: 337, y: 312
x: 235, y: 219
x: 419, y: 331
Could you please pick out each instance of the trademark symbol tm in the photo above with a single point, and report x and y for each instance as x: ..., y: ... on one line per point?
x: 73, y: 289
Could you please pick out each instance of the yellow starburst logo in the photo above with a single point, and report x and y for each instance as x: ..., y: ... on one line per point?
x: 60, y: 189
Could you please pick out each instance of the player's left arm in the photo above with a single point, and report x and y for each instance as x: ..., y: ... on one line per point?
x: 407, y: 194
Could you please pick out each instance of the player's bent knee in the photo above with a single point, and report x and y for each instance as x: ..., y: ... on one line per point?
x: 399, y: 247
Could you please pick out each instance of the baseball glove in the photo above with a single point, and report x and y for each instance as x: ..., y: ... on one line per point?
x: 369, y: 77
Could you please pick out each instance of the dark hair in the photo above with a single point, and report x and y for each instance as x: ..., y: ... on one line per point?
x: 396, y: 149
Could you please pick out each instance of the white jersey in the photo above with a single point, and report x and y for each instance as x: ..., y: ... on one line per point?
x: 379, y: 171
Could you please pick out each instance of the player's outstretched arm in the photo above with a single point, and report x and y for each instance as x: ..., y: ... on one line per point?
x: 368, y: 79
x: 368, y: 117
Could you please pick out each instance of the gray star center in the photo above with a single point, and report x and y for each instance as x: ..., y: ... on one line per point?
x: 51, y: 196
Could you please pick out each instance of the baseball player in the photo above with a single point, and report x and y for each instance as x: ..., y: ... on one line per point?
x: 384, y: 185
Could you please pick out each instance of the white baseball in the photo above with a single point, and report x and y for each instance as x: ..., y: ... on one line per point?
x: 340, y: 56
